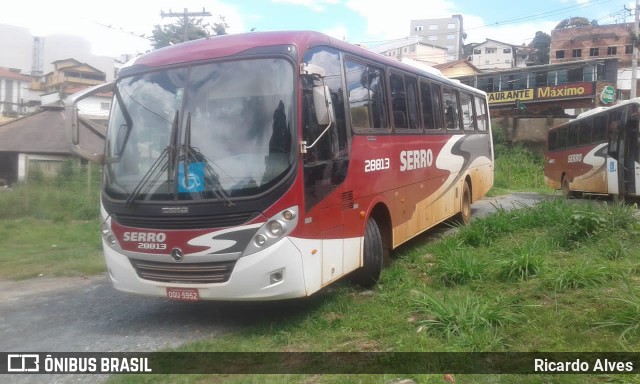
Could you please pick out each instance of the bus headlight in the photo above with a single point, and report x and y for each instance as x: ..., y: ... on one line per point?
x: 105, y: 230
x: 276, y: 228
x: 288, y: 214
x: 260, y: 240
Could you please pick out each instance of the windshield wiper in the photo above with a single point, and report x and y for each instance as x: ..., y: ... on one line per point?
x: 211, y: 178
x: 166, y: 161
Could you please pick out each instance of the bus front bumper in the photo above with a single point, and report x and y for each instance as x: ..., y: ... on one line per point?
x: 271, y: 274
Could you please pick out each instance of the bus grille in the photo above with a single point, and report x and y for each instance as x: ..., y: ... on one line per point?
x: 185, y: 222
x: 189, y: 273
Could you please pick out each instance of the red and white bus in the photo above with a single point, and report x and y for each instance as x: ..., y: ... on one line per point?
x: 596, y: 153
x: 268, y: 165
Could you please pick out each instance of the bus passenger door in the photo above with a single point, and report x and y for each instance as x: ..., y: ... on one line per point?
x: 612, y: 166
x: 631, y: 166
x: 615, y: 155
x: 326, y: 159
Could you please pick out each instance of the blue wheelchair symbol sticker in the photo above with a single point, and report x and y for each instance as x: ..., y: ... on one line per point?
x: 194, y: 180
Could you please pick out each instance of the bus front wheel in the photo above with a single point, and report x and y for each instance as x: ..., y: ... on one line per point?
x: 369, y: 273
x: 566, y: 191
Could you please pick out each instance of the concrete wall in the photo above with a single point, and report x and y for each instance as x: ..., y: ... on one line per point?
x: 529, y: 131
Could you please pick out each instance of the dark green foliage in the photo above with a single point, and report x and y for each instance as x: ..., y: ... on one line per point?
x: 170, y: 34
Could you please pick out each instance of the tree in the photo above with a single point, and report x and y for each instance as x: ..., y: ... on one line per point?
x: 541, y: 43
x: 170, y: 34
x: 576, y: 22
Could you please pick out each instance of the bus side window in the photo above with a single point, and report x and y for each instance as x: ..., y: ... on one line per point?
x: 412, y: 102
x: 552, y: 141
x: 572, y: 136
x: 404, y: 102
x: 585, y: 132
x: 562, y: 138
x: 466, y: 107
x: 481, y: 114
x: 367, y: 96
x: 451, y: 116
x: 599, y: 134
x: 436, y: 97
x: 426, y: 105
x: 398, y: 101
x: 378, y: 98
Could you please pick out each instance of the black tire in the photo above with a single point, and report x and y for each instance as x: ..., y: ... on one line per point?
x: 566, y: 191
x: 464, y: 216
x: 368, y: 275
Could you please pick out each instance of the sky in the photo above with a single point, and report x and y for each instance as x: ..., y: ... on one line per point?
x: 116, y: 27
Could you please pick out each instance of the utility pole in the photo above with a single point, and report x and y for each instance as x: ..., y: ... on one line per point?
x: 185, y: 15
x: 634, y: 60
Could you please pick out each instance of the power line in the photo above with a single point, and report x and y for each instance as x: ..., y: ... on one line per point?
x: 121, y: 30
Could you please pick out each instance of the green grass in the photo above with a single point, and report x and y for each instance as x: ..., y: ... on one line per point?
x: 35, y: 247
x: 517, y: 168
x: 73, y: 195
x: 560, y: 276
x: 521, y: 290
x: 49, y: 225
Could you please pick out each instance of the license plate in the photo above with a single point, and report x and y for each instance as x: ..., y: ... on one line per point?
x: 183, y: 294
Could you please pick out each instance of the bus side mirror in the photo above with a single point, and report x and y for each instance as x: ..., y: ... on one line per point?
x: 73, y: 120
x: 322, y: 102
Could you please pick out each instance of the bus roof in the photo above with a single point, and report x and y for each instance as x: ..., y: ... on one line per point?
x: 232, y: 44
x: 597, y: 111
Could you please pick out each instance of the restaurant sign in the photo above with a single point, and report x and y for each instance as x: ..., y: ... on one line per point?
x: 564, y: 91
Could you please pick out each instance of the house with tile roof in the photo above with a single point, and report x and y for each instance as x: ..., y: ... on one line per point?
x: 40, y: 140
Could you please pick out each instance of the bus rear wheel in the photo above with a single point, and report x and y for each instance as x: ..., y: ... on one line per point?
x: 368, y: 275
x: 464, y: 216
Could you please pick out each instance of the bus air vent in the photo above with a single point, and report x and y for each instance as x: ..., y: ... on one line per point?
x: 184, y: 273
x: 347, y: 200
x: 185, y: 222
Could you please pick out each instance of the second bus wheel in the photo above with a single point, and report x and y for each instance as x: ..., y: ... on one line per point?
x: 465, y: 207
x: 464, y: 216
x: 369, y: 273
x: 566, y: 191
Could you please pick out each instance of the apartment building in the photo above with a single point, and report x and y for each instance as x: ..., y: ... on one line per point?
x: 415, y: 48
x: 614, y: 41
x: 445, y: 32
x: 496, y: 55
x: 16, y: 98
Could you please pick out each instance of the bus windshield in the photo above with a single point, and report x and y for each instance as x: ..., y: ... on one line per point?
x: 209, y: 131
